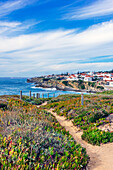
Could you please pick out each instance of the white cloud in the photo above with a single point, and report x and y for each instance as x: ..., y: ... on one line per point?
x: 47, y: 51
x: 61, y: 39
x: 96, y: 9
x: 9, y: 28
x: 9, y: 24
x: 12, y: 5
x: 84, y: 66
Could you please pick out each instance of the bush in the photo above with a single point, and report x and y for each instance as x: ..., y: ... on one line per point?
x: 96, y: 136
x: 82, y: 86
x: 3, y: 106
x: 93, y: 84
x: 65, y: 83
x: 100, y: 87
x: 89, y: 83
x: 80, y: 82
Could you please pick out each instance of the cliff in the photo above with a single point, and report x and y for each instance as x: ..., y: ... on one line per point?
x: 64, y: 85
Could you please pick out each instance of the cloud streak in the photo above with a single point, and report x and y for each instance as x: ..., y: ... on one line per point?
x: 13, y: 5
x: 45, y: 52
x: 16, y: 28
x: 96, y: 9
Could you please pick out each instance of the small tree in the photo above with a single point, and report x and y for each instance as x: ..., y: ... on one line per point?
x: 82, y: 86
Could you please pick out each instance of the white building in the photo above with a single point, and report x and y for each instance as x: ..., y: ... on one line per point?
x: 100, y: 78
x: 90, y: 73
x: 106, y: 74
x: 83, y: 75
x: 107, y: 78
x: 73, y: 77
x: 111, y: 83
x: 88, y: 78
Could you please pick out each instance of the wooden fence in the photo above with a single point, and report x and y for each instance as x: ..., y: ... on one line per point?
x: 37, y: 96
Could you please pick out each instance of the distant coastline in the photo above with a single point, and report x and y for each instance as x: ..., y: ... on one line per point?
x: 43, y: 85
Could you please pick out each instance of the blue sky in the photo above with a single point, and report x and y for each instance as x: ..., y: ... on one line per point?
x: 39, y: 37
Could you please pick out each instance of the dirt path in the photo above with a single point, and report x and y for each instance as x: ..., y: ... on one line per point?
x: 101, y: 157
x: 43, y: 104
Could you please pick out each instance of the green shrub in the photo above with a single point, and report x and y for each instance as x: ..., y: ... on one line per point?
x: 89, y: 83
x: 3, y: 106
x: 82, y: 86
x: 65, y: 83
x: 96, y: 136
x: 93, y: 84
x: 100, y: 87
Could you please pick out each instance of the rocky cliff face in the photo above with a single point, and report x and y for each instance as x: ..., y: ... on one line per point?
x: 61, y: 84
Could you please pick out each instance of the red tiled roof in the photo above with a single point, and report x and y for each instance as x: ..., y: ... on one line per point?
x: 99, y: 73
x: 88, y: 76
x: 106, y: 77
x: 109, y: 80
x: 83, y: 74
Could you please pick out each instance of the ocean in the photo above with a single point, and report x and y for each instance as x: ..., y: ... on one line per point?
x: 12, y: 86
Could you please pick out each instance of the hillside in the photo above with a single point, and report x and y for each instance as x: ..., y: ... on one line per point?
x: 31, y: 138
x: 53, y: 133
x: 66, y: 85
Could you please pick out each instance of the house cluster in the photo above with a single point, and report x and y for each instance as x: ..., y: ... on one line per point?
x: 93, y: 76
x: 105, y: 77
x: 58, y: 76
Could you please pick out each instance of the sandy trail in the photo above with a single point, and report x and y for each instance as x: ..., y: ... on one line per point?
x: 43, y: 104
x: 101, y: 157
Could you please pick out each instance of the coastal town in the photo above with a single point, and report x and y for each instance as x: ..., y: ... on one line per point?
x: 81, y: 81
x: 86, y: 76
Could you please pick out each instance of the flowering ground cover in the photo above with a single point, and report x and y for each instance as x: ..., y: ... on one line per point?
x: 35, y: 101
x: 109, y: 92
x: 31, y: 138
x: 87, y: 117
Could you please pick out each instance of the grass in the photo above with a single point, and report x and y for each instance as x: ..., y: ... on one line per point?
x: 108, y: 92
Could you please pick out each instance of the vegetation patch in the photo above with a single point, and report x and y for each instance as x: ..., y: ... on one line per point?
x: 87, y: 117
x: 108, y: 92
x: 31, y: 138
x: 96, y: 136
